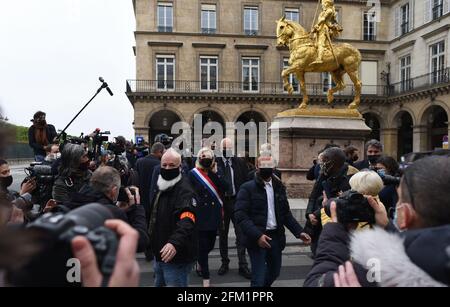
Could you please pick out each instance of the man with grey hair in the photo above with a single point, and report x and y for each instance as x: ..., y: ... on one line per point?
x: 103, y: 188
x: 172, y: 224
x: 374, y: 150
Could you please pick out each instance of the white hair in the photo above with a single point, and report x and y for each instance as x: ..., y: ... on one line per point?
x: 366, y: 183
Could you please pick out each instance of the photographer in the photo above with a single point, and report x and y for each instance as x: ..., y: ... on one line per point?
x: 40, y: 134
x: 16, y: 210
x: 422, y: 213
x: 104, y: 188
x: 333, y: 180
x: 389, y: 170
x: 73, y: 172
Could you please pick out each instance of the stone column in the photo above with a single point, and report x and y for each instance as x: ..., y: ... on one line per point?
x: 420, y: 142
x: 390, y: 141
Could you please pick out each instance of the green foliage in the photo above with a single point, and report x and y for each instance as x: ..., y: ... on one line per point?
x: 21, y: 133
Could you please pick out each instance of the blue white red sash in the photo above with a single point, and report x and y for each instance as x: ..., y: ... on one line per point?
x: 208, y: 184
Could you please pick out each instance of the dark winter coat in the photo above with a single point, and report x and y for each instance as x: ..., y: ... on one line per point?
x: 174, y: 222
x: 134, y: 215
x: 38, y: 148
x: 144, y: 168
x: 208, y: 210
x: 251, y: 211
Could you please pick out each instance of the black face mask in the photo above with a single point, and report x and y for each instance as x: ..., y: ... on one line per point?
x: 170, y: 174
x: 373, y: 159
x: 355, y: 158
x: 5, y: 182
x: 266, y: 173
x: 206, y: 163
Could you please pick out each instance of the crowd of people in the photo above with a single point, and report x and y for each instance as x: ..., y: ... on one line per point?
x: 172, y: 207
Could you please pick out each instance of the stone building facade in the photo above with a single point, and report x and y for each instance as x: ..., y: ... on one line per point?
x: 219, y: 58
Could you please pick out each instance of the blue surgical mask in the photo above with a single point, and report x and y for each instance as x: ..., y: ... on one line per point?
x: 381, y: 172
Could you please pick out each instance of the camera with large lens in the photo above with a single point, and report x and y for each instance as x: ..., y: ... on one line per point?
x: 352, y: 207
x: 50, y: 267
x: 44, y: 176
x: 388, y: 180
x: 164, y: 139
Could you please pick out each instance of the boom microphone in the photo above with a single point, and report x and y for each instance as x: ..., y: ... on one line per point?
x: 105, y: 85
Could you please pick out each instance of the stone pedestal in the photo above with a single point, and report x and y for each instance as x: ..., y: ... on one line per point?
x: 303, y: 133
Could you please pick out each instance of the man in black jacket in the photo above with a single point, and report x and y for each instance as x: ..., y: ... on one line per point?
x: 332, y: 180
x: 262, y: 212
x: 144, y: 168
x: 234, y: 170
x: 172, y: 224
x: 374, y: 150
x: 40, y: 134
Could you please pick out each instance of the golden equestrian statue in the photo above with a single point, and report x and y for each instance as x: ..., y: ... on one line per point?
x: 319, y: 54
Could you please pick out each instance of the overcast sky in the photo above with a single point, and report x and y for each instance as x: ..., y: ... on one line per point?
x: 51, y: 55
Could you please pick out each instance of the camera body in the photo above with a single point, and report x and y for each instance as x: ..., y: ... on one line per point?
x: 56, y: 231
x: 45, y: 178
x: 352, y: 207
x: 42, y: 172
x: 116, y: 148
x: 164, y: 139
x: 388, y: 180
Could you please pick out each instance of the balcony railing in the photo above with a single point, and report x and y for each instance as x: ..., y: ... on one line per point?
x: 225, y: 87
x: 439, y: 77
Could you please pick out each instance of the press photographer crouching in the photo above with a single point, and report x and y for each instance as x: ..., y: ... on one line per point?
x: 105, y: 188
x: 390, y: 259
x: 73, y: 172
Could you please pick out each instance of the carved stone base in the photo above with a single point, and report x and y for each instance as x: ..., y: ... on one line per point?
x: 303, y: 133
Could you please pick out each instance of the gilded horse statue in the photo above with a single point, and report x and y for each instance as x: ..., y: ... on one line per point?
x: 337, y: 60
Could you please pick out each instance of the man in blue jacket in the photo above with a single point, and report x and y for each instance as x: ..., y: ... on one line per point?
x: 262, y: 211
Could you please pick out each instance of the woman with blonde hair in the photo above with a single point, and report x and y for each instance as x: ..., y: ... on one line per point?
x: 367, y: 183
x: 209, y: 188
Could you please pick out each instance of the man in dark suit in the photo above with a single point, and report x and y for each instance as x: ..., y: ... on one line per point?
x: 235, y: 172
x: 374, y: 150
x: 145, y: 167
